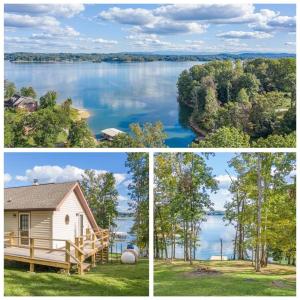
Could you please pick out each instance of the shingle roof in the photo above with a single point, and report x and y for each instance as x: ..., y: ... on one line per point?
x: 42, y: 196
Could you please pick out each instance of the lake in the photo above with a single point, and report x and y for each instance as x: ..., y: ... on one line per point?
x: 116, y: 94
x: 212, y: 230
x: 123, y: 224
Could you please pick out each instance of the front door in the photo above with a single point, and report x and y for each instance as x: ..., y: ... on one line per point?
x: 24, y: 228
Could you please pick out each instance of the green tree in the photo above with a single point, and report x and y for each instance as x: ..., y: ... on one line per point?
x: 242, y: 96
x: 102, y: 195
x: 48, y: 100
x: 9, y: 90
x: 276, y: 141
x: 44, y: 127
x: 80, y: 135
x: 28, y: 92
x: 224, y: 137
x: 182, y: 182
x: 138, y: 165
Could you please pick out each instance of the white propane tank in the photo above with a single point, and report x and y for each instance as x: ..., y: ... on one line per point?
x: 128, y: 257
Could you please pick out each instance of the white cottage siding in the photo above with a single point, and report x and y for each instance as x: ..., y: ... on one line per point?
x: 41, y: 227
x: 11, y: 222
x: 71, y: 207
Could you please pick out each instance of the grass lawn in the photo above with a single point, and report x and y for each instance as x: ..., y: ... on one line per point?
x: 104, y: 280
x: 231, y: 278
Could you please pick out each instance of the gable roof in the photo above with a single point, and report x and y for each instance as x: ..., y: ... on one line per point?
x: 45, y: 197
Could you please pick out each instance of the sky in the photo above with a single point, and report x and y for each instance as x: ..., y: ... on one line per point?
x: 194, y: 28
x: 22, y: 168
x: 219, y: 165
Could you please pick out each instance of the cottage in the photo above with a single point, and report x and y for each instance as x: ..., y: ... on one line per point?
x: 56, y: 219
x: 18, y: 101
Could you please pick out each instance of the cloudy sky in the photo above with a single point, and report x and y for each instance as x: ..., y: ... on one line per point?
x: 197, y: 28
x: 22, y: 168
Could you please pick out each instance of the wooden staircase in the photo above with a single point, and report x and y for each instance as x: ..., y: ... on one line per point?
x: 102, y: 255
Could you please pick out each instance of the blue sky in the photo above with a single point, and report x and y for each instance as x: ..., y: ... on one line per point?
x: 195, y: 28
x: 21, y: 168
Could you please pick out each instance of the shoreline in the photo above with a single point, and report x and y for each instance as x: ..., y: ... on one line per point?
x: 83, y: 114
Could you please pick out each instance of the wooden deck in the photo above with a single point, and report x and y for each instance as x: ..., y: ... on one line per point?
x: 72, y: 254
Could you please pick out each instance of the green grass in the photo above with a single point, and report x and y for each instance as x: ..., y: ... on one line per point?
x: 236, y: 278
x: 104, y: 280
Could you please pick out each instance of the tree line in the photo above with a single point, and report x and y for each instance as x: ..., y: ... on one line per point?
x: 181, y: 199
x: 263, y: 207
x: 242, y: 103
x: 129, y: 57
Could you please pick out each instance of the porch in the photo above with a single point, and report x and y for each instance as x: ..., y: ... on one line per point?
x: 94, y: 245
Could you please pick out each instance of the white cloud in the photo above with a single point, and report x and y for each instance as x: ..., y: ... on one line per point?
x: 47, y: 174
x: 14, y: 20
x: 7, y: 178
x: 49, y: 25
x: 103, y: 41
x: 59, y: 10
x: 204, y: 12
x: 165, y: 27
x: 268, y: 21
x: 290, y: 43
x: 224, y: 181
x: 220, y: 198
x: 129, y: 16
x: 244, y: 35
x: 122, y: 198
x: 147, y: 40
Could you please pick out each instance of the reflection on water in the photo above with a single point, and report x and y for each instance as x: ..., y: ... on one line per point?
x: 116, y: 94
x: 211, y: 232
x: 123, y: 225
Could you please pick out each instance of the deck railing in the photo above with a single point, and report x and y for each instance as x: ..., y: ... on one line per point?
x: 77, y: 250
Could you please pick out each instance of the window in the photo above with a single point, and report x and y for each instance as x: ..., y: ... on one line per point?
x: 67, y: 219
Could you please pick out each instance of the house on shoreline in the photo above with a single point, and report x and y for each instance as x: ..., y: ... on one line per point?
x: 51, y: 224
x: 18, y: 101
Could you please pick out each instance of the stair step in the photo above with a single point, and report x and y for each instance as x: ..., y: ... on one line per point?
x: 86, y: 266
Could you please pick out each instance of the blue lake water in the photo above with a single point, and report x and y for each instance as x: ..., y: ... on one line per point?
x: 116, y: 94
x: 123, y: 224
x: 212, y: 230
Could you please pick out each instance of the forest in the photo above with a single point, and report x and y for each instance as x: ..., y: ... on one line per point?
x: 262, y: 208
x: 19, y: 57
x: 249, y: 103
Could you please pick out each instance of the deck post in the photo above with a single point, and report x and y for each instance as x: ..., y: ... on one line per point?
x: 11, y: 239
x: 94, y: 251
x: 31, y: 247
x: 68, y: 248
x: 80, y: 269
x: 31, y: 268
x: 68, y: 257
x: 88, y: 234
x: 81, y: 242
x: 77, y: 244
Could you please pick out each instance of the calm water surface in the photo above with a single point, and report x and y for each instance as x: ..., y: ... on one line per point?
x: 123, y: 224
x: 116, y: 94
x: 209, y: 237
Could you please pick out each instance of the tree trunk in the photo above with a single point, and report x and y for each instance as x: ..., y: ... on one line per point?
x: 191, y: 243
x: 259, y: 204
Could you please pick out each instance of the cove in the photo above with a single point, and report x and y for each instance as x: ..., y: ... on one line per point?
x: 116, y: 94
